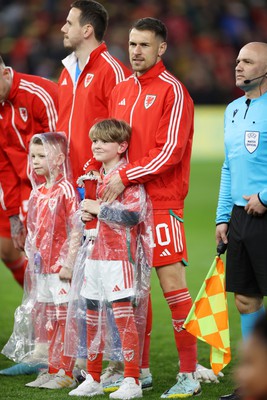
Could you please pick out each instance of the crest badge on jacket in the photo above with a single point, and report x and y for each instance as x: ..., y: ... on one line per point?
x: 23, y: 113
x: 88, y: 79
x: 149, y: 100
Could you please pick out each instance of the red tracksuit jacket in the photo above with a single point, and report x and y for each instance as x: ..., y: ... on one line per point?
x: 85, y: 103
x: 160, y: 111
x: 31, y: 107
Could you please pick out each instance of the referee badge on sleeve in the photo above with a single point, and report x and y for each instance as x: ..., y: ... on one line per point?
x: 252, y: 141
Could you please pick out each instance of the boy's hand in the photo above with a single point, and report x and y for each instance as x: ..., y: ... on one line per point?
x: 90, y: 206
x: 65, y: 274
x: 86, y: 216
x: 113, y: 189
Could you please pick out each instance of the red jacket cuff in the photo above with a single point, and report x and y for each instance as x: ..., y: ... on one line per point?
x: 124, y: 178
x: 12, y: 211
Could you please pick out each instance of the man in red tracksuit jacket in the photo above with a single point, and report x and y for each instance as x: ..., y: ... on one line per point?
x: 88, y: 78
x: 160, y: 111
x: 28, y: 106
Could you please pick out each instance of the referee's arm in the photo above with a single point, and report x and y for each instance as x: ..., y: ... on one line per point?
x: 225, y: 205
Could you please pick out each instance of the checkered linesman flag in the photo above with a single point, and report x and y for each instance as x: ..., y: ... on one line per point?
x: 208, y: 317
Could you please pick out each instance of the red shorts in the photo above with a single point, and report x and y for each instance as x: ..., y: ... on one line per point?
x: 169, y: 238
x: 4, y: 221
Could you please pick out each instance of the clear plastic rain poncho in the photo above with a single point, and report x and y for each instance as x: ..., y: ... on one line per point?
x: 113, y: 267
x: 51, y: 247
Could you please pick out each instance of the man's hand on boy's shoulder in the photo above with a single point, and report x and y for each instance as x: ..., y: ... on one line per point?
x: 113, y: 189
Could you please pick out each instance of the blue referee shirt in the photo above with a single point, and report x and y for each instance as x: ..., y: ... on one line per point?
x: 244, y: 171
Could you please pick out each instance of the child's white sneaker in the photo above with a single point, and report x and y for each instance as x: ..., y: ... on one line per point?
x: 60, y: 381
x: 41, y: 379
x: 128, y: 389
x: 89, y: 387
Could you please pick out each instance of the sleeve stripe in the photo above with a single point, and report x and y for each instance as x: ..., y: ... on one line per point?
x: 68, y: 189
x: 115, y: 66
x: 46, y: 99
x: 172, y: 134
x: 2, y: 202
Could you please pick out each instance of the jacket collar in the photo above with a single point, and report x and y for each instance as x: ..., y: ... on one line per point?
x: 151, y: 74
x: 71, y: 60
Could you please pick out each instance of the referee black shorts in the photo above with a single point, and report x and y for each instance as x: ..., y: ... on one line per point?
x: 246, y: 260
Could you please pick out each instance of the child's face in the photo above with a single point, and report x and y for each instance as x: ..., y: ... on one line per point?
x: 251, y: 372
x: 39, y: 159
x: 107, y: 152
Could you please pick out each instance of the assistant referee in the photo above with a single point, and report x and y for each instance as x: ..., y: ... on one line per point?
x: 242, y: 204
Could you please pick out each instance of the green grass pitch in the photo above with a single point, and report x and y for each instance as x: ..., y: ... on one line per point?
x: 199, y: 225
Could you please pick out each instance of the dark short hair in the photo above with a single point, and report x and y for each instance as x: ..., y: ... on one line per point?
x: 93, y: 13
x: 153, y: 25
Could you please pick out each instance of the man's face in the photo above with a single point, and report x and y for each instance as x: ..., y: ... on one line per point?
x: 5, y: 83
x: 251, y: 63
x: 251, y: 372
x: 73, y: 31
x: 145, y: 50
